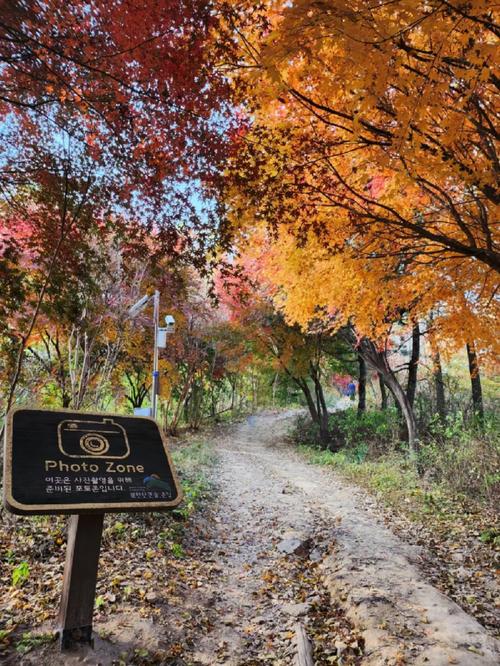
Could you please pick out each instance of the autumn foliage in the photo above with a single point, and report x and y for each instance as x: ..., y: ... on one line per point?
x: 123, y: 95
x: 370, y: 159
x: 338, y: 164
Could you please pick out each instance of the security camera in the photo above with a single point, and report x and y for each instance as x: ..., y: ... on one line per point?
x: 169, y: 321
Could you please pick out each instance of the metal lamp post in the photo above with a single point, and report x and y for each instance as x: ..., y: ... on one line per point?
x: 159, y: 340
x: 156, y: 372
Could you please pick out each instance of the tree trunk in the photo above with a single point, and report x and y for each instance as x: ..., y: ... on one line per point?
x: 411, y: 387
x: 378, y: 360
x: 302, y: 384
x: 233, y: 393
x: 213, y: 403
x: 406, y: 409
x: 383, y: 392
x: 475, y: 379
x: 439, y: 386
x: 183, y: 397
x: 324, y: 430
x: 361, y: 385
x: 274, y: 388
x: 318, y: 410
x: 321, y: 407
x: 241, y: 389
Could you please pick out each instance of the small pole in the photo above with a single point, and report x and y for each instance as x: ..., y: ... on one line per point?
x: 156, y: 374
x: 80, y: 579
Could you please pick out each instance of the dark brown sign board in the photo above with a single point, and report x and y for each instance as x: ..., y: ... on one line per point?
x: 73, y: 462
x: 84, y: 464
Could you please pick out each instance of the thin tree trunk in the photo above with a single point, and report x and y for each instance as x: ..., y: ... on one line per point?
x: 383, y: 392
x: 361, y: 385
x: 321, y: 407
x: 475, y: 379
x: 180, y: 404
x: 302, y: 384
x: 233, y: 394
x: 242, y: 395
x: 411, y: 387
x: 213, y: 403
x: 323, y: 412
x: 439, y: 386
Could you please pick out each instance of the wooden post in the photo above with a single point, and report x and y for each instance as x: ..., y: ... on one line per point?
x: 80, y: 578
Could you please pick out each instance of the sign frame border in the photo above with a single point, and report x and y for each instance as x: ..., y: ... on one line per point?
x: 18, y: 508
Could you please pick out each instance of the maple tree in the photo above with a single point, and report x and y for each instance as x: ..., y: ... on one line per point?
x: 345, y: 295
x: 305, y: 358
x: 126, y: 91
x: 50, y: 230
x: 109, y: 111
x: 70, y: 348
x: 339, y: 102
x: 258, y: 191
x: 367, y: 171
x: 390, y: 110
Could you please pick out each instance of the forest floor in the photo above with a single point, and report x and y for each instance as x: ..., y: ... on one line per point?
x: 280, y: 543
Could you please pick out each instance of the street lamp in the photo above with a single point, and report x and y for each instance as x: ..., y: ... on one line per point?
x: 137, y: 307
x: 160, y: 339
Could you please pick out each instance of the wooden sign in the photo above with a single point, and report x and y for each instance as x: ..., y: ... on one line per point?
x: 64, y: 462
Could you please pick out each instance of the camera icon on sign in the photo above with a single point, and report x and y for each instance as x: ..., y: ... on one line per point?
x: 92, y: 439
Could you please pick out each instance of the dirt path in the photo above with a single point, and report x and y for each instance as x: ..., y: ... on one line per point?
x: 271, y: 502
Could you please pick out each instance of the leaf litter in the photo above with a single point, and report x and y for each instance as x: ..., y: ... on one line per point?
x: 198, y: 588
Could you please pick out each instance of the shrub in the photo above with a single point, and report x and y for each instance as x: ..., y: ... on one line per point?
x: 360, y: 435
x: 305, y: 431
x: 31, y: 641
x: 464, y: 456
x: 375, y: 431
